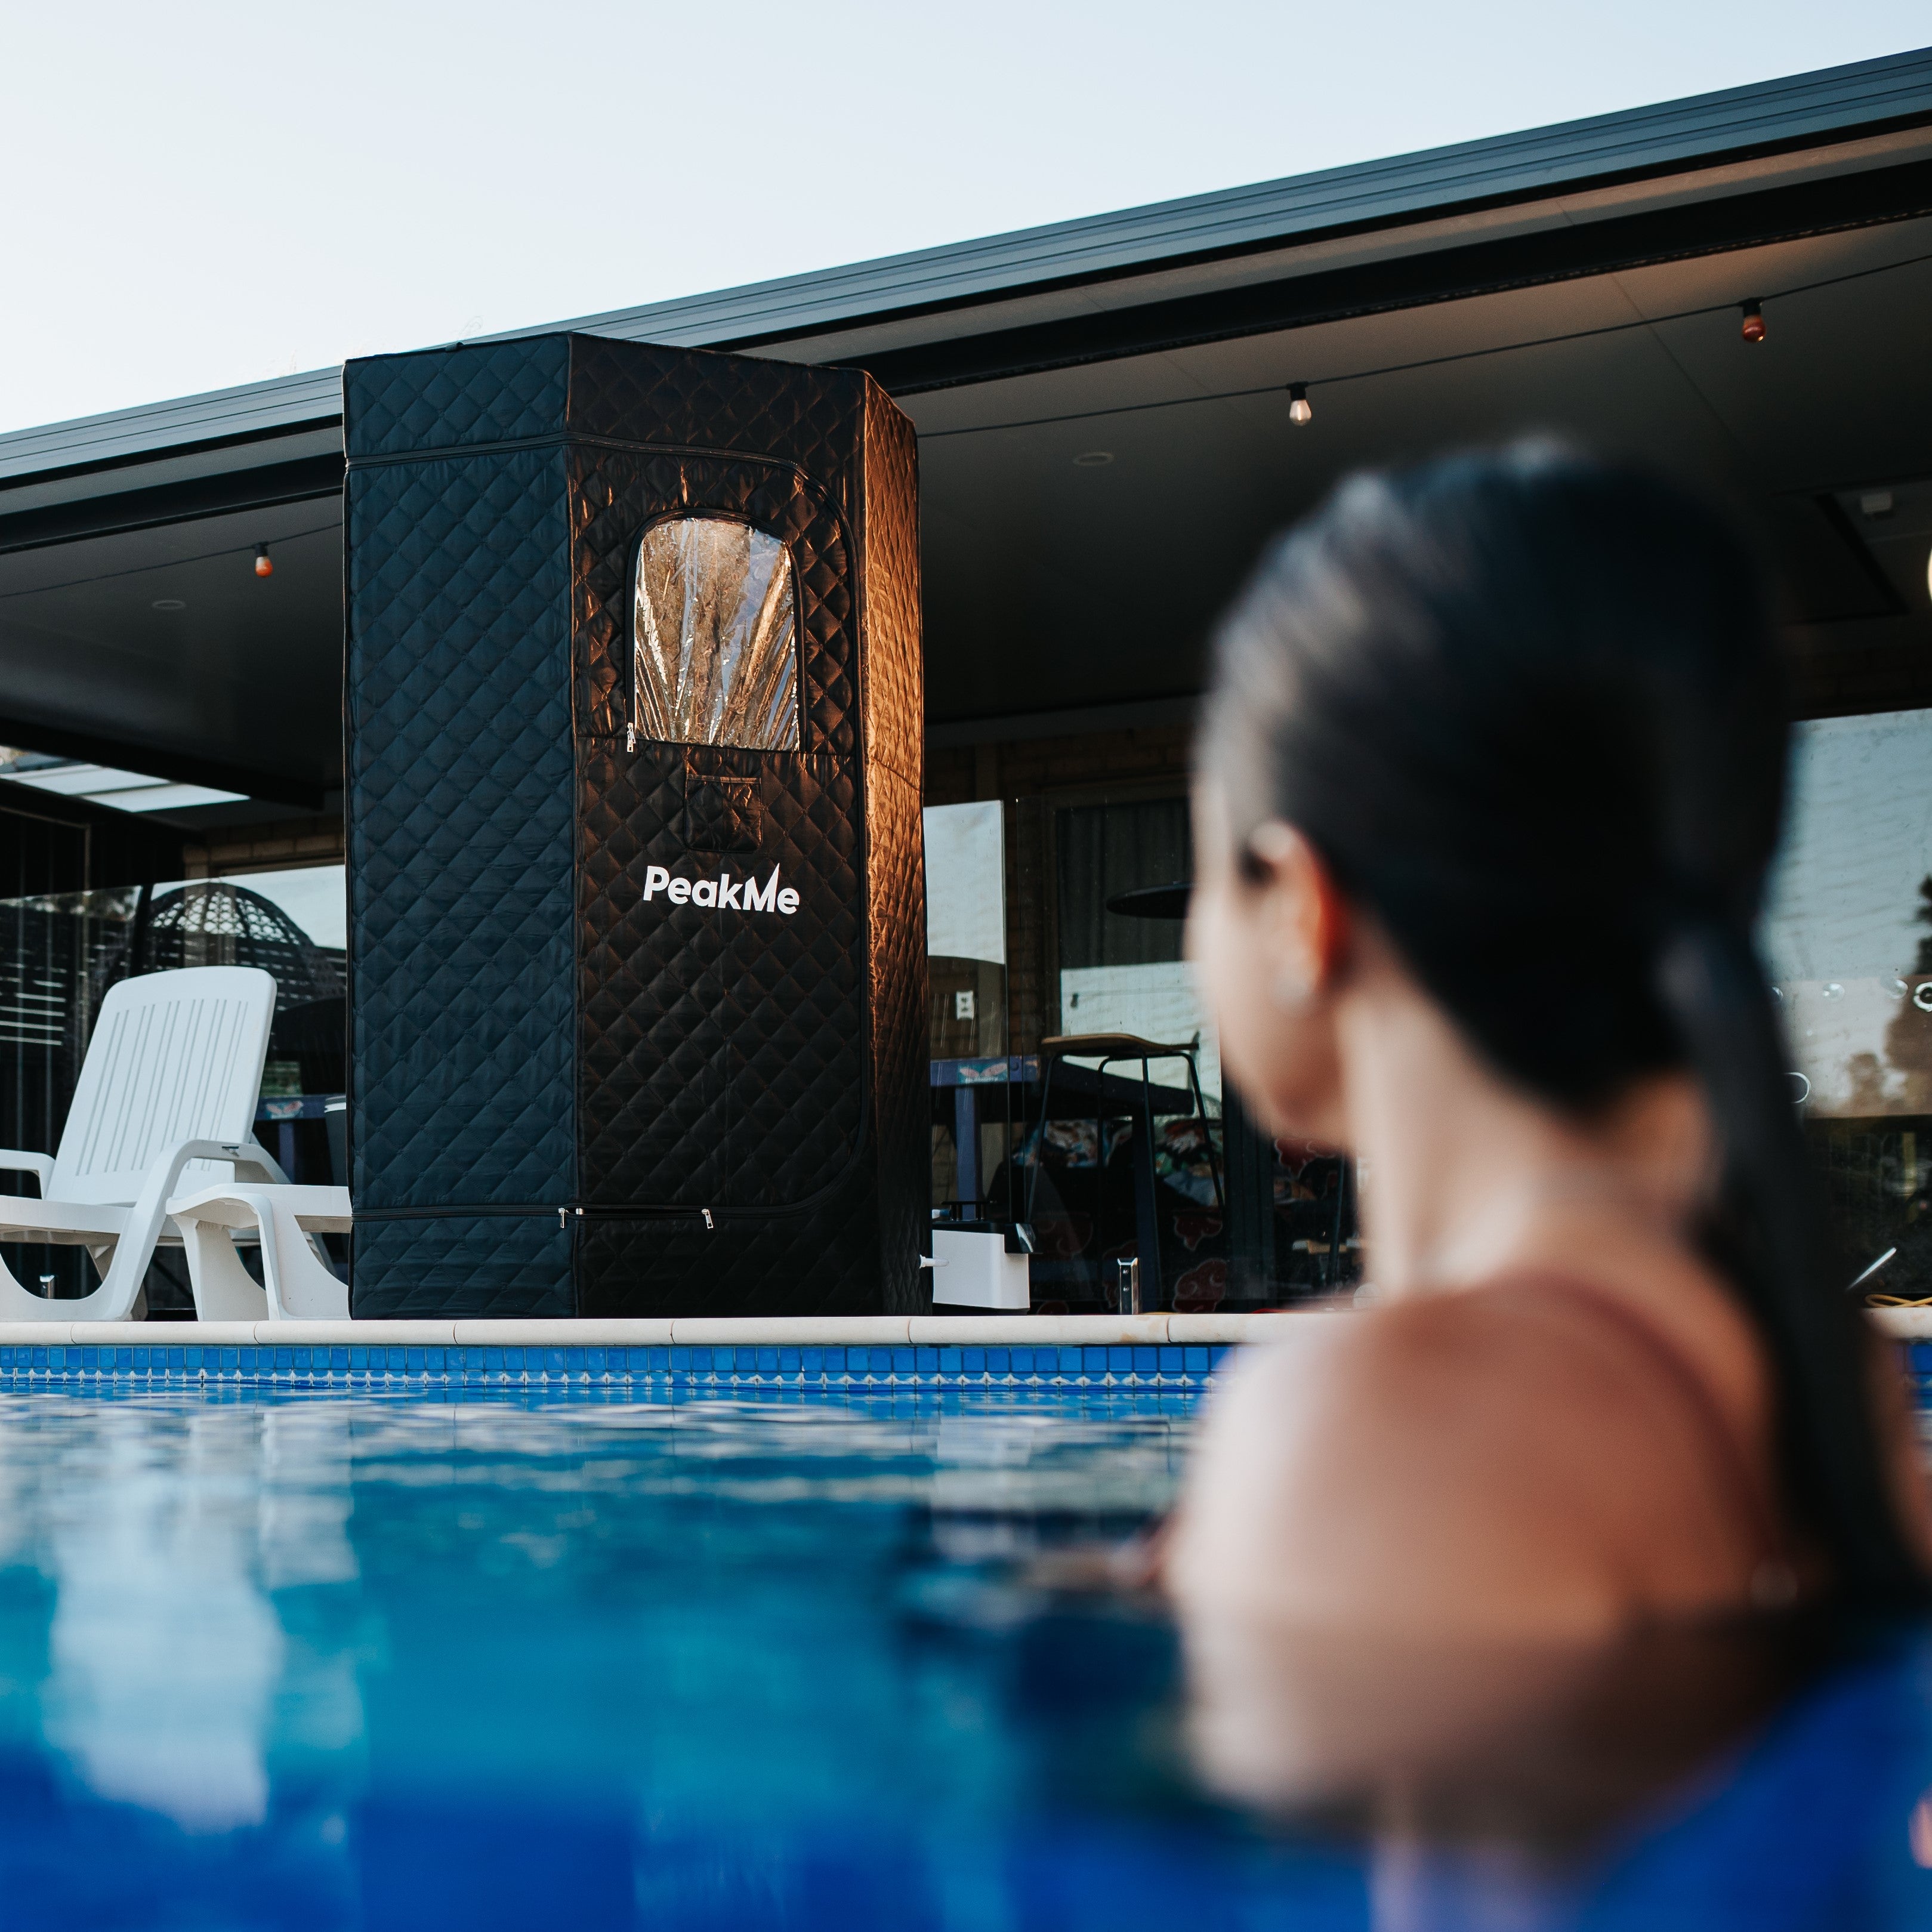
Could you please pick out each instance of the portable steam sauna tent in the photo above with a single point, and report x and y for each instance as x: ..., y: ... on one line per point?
x: 637, y: 902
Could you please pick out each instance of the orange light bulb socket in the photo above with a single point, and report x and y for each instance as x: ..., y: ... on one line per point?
x: 1753, y: 325
x: 264, y: 567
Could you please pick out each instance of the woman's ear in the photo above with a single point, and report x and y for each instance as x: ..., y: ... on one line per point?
x: 1306, y: 918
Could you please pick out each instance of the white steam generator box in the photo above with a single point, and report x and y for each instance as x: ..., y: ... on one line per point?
x: 972, y: 1269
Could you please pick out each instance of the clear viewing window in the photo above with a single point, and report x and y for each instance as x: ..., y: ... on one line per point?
x: 715, y: 633
x: 1849, y: 913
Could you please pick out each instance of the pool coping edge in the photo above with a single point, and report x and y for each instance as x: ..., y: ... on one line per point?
x: 789, y: 1332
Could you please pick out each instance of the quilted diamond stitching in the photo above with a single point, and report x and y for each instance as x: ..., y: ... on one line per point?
x: 894, y: 710
x: 461, y: 1266
x: 824, y: 1262
x: 723, y: 1061
x: 696, y: 399
x: 461, y: 831
x: 397, y: 405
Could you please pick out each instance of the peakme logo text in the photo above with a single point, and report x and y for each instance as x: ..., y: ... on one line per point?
x: 738, y: 895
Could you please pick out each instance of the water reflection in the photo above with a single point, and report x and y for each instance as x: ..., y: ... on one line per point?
x: 163, y: 1653
x: 162, y: 1537
x: 368, y: 1664
x: 1545, y: 1749
x: 1764, y: 1774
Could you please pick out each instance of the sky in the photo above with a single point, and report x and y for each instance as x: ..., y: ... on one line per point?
x: 196, y: 196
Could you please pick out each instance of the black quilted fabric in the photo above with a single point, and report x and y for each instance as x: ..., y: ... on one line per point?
x: 895, y: 733
x: 475, y: 1265
x: 724, y: 812
x: 532, y: 1032
x: 895, y: 693
x: 723, y: 1053
x: 825, y: 1261
x: 809, y: 419
x: 440, y: 398
x: 461, y: 832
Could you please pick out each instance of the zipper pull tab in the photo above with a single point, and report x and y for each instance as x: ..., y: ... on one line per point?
x: 708, y: 1222
x: 563, y: 1217
x: 630, y: 737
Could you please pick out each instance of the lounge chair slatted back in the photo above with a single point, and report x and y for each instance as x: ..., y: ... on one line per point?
x: 174, y: 1056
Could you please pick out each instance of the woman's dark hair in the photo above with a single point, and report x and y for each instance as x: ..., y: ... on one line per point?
x: 1528, y: 708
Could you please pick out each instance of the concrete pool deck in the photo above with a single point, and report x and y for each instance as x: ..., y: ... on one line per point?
x: 681, y: 1331
x: 951, y: 1331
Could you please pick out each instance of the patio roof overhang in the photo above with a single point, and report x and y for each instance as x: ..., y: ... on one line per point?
x: 1585, y: 279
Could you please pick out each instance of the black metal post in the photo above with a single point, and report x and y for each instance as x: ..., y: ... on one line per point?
x: 966, y: 1141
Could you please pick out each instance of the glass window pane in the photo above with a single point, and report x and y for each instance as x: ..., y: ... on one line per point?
x: 1848, y: 934
x: 1120, y: 973
x: 1846, y: 926
x: 715, y: 630
x: 966, y: 961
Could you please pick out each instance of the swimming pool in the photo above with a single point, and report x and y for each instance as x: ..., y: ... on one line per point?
x: 272, y: 1657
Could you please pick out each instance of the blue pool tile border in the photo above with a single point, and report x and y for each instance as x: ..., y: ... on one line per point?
x: 716, y: 1367
x: 1182, y: 1368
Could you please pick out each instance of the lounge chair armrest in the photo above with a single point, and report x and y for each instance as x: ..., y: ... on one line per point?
x: 14, y: 1160
x: 164, y: 1173
x: 254, y: 1162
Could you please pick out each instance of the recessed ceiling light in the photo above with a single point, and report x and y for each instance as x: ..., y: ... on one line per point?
x: 1092, y: 459
x: 170, y: 604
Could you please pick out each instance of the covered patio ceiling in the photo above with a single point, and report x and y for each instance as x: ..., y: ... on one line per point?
x: 1058, y: 579
x: 1104, y: 429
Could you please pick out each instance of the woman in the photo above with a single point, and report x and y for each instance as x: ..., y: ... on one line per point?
x: 1487, y: 784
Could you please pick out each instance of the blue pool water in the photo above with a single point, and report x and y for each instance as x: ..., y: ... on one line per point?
x: 364, y: 1661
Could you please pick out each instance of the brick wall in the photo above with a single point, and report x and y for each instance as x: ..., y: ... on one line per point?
x: 1885, y: 665
x: 266, y: 848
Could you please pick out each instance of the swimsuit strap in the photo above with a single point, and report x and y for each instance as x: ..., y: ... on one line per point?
x: 1773, y: 1580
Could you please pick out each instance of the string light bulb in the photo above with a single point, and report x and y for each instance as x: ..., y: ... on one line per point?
x: 1300, y: 410
x: 1753, y: 328
x: 264, y: 567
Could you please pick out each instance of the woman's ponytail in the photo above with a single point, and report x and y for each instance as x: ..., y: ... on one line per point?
x: 1769, y: 1237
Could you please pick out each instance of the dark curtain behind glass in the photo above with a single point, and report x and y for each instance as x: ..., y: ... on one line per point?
x: 1106, y: 849
x: 1286, y: 1206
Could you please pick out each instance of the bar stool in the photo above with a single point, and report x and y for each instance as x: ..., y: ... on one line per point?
x: 1108, y: 1048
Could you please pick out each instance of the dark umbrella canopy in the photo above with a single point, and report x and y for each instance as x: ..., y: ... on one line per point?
x: 1153, y: 901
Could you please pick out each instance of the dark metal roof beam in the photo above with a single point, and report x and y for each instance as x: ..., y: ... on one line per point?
x: 1547, y: 255
x: 252, y: 489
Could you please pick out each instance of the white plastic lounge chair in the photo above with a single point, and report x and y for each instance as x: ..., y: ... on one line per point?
x: 299, y: 1284
x: 168, y: 1090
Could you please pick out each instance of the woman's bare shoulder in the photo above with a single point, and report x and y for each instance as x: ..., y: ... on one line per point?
x: 1477, y: 1455
x: 1466, y: 1373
